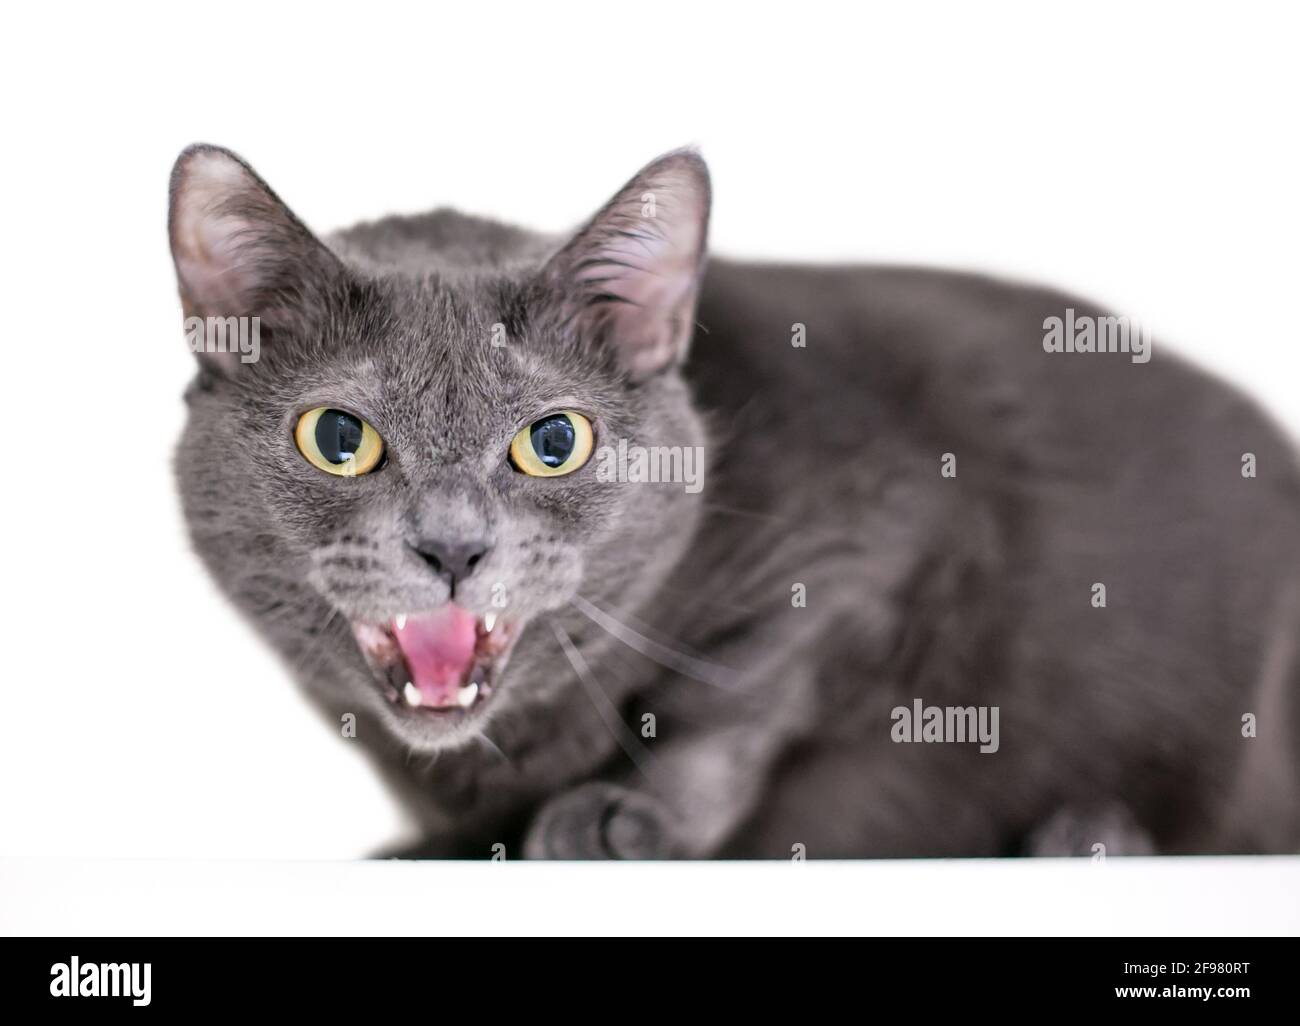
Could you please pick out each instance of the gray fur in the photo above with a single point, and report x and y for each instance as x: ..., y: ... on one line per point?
x: 824, y: 470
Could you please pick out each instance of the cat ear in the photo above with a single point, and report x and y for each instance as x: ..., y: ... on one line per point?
x: 239, y: 251
x: 630, y: 278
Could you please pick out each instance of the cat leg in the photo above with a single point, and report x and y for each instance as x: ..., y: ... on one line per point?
x: 602, y: 820
x: 684, y: 803
x: 698, y: 781
x: 1075, y: 831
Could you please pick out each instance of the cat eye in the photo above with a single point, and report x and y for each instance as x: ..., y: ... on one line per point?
x: 338, y: 442
x: 558, y: 444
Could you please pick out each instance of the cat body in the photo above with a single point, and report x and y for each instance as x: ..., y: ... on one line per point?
x: 906, y: 501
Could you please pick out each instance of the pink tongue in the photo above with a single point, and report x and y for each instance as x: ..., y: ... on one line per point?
x: 439, y: 650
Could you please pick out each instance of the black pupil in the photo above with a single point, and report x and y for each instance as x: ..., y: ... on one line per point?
x: 553, y: 439
x: 338, y: 435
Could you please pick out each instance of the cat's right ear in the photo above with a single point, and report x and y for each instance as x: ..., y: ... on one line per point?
x: 239, y: 251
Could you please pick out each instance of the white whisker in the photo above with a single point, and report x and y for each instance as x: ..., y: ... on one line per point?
x: 637, y: 752
x: 495, y: 747
x: 698, y: 669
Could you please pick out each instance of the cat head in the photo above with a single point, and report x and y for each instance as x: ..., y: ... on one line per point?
x: 392, y: 460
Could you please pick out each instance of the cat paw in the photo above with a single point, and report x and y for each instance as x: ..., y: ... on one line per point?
x: 601, y: 821
x: 1078, y: 832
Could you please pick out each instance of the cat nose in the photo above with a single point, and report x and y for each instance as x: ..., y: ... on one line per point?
x: 452, y: 561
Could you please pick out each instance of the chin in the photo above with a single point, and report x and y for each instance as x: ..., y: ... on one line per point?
x: 423, y: 733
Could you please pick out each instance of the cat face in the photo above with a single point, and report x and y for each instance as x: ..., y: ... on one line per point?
x: 405, y: 483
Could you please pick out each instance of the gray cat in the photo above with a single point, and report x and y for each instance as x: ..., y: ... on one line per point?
x: 602, y: 552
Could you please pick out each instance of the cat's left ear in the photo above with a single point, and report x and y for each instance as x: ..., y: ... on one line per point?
x: 630, y: 278
x: 239, y: 250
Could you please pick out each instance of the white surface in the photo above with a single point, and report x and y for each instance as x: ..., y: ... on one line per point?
x: 1146, y: 155
x: 1237, y: 896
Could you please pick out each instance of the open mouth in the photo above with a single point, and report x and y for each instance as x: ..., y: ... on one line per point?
x: 444, y: 661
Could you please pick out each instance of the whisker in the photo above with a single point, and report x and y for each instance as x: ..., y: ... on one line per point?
x: 699, y: 669
x: 714, y: 507
x: 329, y: 619
x: 433, y: 760
x: 712, y: 599
x: 496, y: 748
x: 637, y: 752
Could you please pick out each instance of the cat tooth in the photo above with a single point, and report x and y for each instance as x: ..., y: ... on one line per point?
x: 489, y: 621
x: 465, y: 696
x: 400, y: 622
x: 412, y: 695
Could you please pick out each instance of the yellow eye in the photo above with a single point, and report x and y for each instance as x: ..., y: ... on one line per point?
x: 338, y: 442
x: 556, y: 445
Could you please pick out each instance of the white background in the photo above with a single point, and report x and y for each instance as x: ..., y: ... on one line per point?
x: 1146, y: 157
x: 904, y: 897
